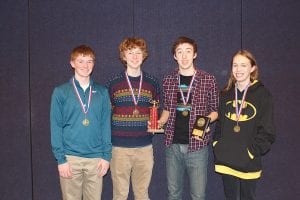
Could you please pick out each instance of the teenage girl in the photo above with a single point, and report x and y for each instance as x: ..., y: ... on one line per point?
x: 244, y: 131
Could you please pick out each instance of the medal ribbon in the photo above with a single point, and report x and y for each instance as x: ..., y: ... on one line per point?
x: 186, y: 100
x: 85, y: 110
x: 238, y: 111
x: 135, y: 101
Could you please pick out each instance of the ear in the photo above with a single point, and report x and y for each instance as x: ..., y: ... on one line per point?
x: 195, y: 55
x: 175, y: 57
x: 253, y: 68
x: 72, y: 64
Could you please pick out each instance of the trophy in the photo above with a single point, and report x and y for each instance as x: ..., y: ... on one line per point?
x: 153, y: 128
x: 200, y: 126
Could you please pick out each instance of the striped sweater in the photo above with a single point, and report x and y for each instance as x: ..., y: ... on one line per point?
x: 130, y: 130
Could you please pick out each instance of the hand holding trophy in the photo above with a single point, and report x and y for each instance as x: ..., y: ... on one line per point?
x: 153, y: 122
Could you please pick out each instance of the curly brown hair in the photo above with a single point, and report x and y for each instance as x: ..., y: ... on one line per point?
x: 131, y: 43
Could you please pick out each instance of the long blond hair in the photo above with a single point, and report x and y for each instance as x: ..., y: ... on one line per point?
x: 253, y: 75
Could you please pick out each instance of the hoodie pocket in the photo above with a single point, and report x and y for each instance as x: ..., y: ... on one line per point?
x: 231, y: 154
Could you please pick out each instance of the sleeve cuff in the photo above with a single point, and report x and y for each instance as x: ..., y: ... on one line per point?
x: 106, y: 157
x: 61, y: 161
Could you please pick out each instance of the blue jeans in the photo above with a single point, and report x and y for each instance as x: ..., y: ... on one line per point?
x: 178, y: 162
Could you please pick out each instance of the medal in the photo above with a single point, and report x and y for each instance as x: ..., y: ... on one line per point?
x: 185, y: 113
x: 135, y: 101
x: 236, y: 128
x: 185, y: 100
x: 238, y: 110
x: 135, y: 111
x: 85, y: 122
x: 85, y: 109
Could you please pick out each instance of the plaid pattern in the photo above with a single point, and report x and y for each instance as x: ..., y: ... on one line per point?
x: 205, y: 100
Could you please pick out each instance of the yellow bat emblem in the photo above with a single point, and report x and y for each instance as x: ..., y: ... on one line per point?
x: 248, y: 111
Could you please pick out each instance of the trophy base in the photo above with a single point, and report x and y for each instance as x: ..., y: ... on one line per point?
x: 156, y: 130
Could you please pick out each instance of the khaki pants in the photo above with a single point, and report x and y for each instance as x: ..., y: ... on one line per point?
x: 136, y: 163
x: 85, y: 183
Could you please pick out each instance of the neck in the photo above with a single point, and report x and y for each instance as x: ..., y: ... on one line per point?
x: 83, y: 81
x: 242, y: 85
x: 187, y: 72
x: 133, y: 72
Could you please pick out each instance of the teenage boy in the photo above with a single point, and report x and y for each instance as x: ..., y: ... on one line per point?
x: 80, y: 130
x: 131, y: 92
x: 188, y: 92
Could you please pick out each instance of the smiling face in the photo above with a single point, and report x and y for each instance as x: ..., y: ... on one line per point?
x: 134, y: 58
x: 242, y: 69
x: 185, y: 55
x: 133, y: 51
x: 83, y: 66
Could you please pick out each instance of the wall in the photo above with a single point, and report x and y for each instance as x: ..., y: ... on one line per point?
x: 36, y: 40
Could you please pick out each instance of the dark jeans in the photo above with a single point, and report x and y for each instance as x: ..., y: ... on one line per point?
x: 239, y: 189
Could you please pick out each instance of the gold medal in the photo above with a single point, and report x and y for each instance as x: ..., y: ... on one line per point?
x: 136, y: 111
x: 236, y: 128
x: 185, y: 100
x: 85, y: 122
x: 185, y: 113
x: 238, y: 110
x: 135, y: 100
x: 85, y: 108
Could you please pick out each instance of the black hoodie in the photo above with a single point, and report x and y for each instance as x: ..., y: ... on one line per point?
x: 239, y: 153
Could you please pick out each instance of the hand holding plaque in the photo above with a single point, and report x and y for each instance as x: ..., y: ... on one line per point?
x: 153, y: 126
x: 200, y: 126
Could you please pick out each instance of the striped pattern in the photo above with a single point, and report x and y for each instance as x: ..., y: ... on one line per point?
x: 124, y: 123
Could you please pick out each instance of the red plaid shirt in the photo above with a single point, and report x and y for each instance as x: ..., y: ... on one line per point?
x: 205, y: 99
